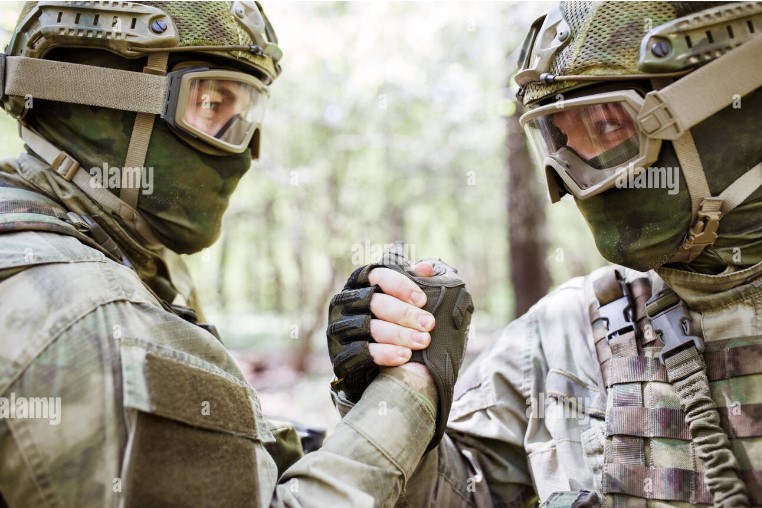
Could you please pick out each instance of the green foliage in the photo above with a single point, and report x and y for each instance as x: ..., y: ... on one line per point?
x: 387, y: 124
x: 383, y: 117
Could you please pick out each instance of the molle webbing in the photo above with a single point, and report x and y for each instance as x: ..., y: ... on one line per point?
x: 17, y: 205
x: 722, y: 362
x: 740, y: 421
x: 616, y: 332
x: 670, y: 484
x: 636, y: 423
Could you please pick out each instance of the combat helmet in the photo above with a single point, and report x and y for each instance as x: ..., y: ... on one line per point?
x: 609, y: 84
x: 217, y: 110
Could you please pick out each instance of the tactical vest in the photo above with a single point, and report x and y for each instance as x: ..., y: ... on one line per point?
x: 672, y: 432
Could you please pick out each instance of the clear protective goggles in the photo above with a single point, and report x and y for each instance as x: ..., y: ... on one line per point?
x: 222, y: 108
x: 590, y: 142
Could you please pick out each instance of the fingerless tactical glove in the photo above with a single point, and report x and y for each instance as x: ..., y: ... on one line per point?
x: 349, y: 332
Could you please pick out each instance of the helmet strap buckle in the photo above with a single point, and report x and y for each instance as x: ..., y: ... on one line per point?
x: 703, y: 233
x: 65, y: 165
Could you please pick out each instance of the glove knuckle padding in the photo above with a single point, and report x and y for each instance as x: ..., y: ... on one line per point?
x: 357, y: 300
x: 348, y: 335
x: 350, y: 329
x: 354, y: 368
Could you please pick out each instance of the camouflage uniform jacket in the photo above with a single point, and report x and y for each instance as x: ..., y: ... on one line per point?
x: 152, y: 409
x: 511, y: 439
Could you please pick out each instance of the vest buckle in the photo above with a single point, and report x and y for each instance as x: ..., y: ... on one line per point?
x: 669, y: 317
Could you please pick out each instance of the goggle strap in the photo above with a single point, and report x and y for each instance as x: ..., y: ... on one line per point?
x: 670, y: 112
x: 85, y: 84
x: 141, y: 137
x: 67, y: 167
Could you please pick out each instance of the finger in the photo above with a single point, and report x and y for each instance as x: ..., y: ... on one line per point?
x: 387, y: 355
x: 389, y: 333
x: 423, y: 269
x: 397, y: 285
x: 389, y: 308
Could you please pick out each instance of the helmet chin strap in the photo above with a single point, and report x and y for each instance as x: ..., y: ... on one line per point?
x: 706, y: 217
x: 707, y: 210
x: 671, y: 110
x: 141, y: 136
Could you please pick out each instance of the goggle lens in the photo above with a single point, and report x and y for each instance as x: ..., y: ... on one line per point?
x: 603, y: 135
x: 221, y: 108
x: 224, y: 109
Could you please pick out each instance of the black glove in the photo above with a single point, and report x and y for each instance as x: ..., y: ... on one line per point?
x: 349, y: 335
x: 349, y: 332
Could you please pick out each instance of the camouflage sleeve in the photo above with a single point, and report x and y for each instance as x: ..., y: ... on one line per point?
x: 482, y: 461
x: 372, y: 452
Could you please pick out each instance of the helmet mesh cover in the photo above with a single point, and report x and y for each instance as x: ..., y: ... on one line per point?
x: 212, y: 24
x: 605, y: 39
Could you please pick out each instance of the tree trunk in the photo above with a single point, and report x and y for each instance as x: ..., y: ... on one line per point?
x: 271, y: 225
x: 528, y: 243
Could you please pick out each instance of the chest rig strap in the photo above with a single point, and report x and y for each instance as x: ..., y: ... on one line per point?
x: 619, y: 324
x: 687, y: 372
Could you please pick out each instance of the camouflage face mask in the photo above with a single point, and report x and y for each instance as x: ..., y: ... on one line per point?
x: 642, y: 227
x: 185, y: 192
x: 639, y: 227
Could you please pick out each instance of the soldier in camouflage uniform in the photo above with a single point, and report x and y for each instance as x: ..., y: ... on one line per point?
x: 630, y: 388
x: 143, y: 405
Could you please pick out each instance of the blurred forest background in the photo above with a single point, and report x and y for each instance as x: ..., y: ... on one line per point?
x: 391, y: 121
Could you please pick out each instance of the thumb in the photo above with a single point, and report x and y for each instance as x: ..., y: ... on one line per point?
x: 423, y: 269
